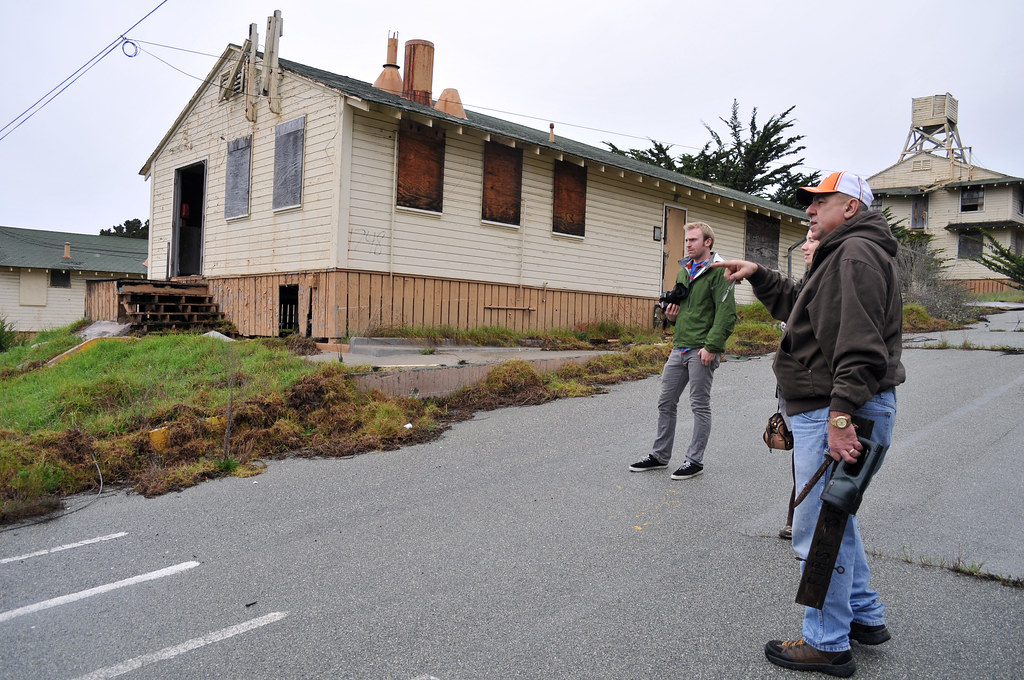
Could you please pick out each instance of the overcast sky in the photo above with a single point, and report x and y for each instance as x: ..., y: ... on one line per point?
x: 601, y: 70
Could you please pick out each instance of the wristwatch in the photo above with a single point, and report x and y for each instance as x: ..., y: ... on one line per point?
x: 841, y: 422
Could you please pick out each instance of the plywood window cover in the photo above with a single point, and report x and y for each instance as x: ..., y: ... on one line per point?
x: 969, y: 244
x: 570, y: 199
x: 503, y: 184
x: 762, y: 240
x: 238, y: 177
x: 420, y: 167
x: 289, y: 143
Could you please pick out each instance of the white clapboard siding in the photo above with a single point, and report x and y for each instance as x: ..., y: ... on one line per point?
x: 618, y: 254
x: 265, y: 240
x: 63, y: 305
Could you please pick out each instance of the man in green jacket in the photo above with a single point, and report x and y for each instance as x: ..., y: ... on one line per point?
x: 703, y: 322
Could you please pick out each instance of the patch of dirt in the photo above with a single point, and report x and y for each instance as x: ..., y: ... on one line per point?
x: 301, y: 346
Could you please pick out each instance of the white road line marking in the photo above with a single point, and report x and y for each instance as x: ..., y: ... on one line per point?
x: 69, y: 546
x: 177, y: 650
x: 82, y: 594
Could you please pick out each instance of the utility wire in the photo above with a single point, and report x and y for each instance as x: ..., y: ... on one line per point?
x: 70, y: 80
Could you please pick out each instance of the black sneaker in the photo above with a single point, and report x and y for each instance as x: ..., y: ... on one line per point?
x: 648, y: 463
x: 800, y: 656
x: 869, y: 635
x: 688, y: 471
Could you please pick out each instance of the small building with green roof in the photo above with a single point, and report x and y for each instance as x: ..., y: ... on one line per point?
x: 43, y: 274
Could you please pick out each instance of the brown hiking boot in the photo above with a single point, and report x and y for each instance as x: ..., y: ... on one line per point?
x: 800, y: 656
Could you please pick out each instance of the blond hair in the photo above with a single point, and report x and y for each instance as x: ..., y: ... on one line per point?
x: 705, y: 229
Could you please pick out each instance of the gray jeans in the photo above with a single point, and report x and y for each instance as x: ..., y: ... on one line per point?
x: 680, y: 369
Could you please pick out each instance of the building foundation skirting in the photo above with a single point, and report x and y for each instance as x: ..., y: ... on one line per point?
x: 334, y: 304
x: 983, y: 286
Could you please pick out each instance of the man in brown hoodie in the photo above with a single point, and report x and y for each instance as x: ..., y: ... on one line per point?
x: 839, y: 356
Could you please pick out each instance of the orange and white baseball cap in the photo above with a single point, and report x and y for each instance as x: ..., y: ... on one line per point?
x: 838, y: 182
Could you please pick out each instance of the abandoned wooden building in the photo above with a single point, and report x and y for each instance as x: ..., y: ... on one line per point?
x: 316, y: 203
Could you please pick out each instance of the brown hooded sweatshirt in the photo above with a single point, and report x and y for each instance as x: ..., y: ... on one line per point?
x: 844, y: 321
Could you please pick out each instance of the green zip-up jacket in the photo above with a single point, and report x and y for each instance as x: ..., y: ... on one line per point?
x: 708, y: 314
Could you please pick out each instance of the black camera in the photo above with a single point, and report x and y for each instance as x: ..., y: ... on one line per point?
x: 676, y: 296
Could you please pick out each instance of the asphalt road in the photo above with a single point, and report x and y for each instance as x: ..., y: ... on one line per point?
x: 519, y: 546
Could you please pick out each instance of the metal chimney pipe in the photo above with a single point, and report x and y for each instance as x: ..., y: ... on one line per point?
x: 418, y: 73
x: 389, y: 79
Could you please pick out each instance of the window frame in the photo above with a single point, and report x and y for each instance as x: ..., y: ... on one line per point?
x: 238, y: 177
x: 569, y: 200
x: 420, y: 174
x: 977, y: 205
x: 761, y: 239
x: 63, y: 274
x: 289, y: 153
x: 919, y: 212
x: 502, y: 195
x: 969, y: 244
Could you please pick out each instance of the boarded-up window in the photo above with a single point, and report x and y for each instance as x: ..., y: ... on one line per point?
x: 420, y: 167
x: 289, y: 139
x: 968, y: 244
x: 570, y: 199
x: 236, y: 182
x: 33, y: 288
x: 60, y: 278
x: 762, y: 244
x: 919, y: 212
x: 503, y: 183
x: 972, y: 199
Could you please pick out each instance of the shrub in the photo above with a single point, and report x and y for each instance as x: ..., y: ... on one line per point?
x: 8, y: 336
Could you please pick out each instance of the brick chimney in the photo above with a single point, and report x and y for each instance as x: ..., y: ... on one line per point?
x: 67, y: 250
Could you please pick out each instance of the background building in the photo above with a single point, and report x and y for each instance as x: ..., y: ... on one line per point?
x: 935, y: 187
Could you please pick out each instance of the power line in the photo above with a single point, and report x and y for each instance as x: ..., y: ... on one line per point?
x: 40, y: 103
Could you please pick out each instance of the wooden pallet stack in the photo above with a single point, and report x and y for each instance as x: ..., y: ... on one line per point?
x: 167, y: 305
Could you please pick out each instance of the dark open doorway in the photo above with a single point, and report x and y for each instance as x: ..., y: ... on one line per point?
x: 288, y: 314
x: 189, y: 207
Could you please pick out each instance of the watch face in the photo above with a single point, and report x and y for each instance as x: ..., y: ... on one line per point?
x: 841, y: 422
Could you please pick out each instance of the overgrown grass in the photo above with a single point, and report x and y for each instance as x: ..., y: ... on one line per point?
x: 93, y: 415
x: 89, y: 416
x: 25, y: 351
x: 1002, y: 296
x: 580, y: 337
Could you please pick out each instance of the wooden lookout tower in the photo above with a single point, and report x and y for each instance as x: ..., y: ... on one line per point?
x: 933, y: 126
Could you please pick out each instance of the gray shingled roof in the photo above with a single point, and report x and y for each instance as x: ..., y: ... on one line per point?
x: 368, y: 92
x: 35, y: 248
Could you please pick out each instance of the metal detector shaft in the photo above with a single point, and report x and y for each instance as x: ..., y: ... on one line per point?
x: 814, y: 480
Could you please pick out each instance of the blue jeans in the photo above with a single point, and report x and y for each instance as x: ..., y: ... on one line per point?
x: 849, y: 596
x: 682, y: 369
